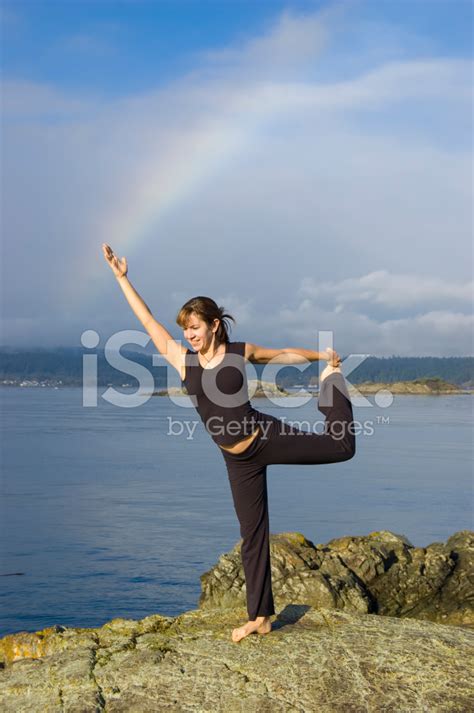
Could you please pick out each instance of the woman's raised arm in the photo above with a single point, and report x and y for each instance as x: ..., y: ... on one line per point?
x: 172, y: 350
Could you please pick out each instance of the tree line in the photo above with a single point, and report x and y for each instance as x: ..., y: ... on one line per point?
x: 65, y: 364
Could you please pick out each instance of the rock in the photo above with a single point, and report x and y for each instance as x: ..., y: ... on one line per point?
x: 171, y: 391
x: 423, y: 387
x: 379, y: 573
x: 312, y: 661
x: 349, y: 636
x: 262, y: 389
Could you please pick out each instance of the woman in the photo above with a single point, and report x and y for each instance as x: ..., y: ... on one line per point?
x: 214, y: 376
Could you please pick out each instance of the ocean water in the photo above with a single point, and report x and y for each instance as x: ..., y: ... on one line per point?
x: 105, y: 513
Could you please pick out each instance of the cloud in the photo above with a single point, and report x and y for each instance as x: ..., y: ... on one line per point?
x: 391, y: 290
x: 342, y: 307
x: 287, y: 45
x: 431, y: 332
x: 240, y: 308
x: 31, y: 101
x: 253, y: 180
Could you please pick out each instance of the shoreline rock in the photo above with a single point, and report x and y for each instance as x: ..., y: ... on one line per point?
x: 262, y: 389
x: 313, y: 660
x: 422, y: 387
x: 326, y: 652
x: 417, y: 387
x: 379, y: 573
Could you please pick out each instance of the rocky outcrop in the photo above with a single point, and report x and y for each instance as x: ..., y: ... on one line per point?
x: 312, y: 661
x: 381, y: 573
x: 422, y: 387
x: 329, y: 650
x: 258, y: 389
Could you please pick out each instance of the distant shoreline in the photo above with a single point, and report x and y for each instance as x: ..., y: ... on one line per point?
x: 417, y: 387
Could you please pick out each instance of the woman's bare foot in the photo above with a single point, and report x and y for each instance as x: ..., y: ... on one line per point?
x: 261, y: 625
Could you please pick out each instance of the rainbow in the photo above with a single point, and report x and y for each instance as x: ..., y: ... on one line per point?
x: 165, y: 179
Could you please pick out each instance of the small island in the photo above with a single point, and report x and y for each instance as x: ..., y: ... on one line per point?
x: 423, y: 387
x: 433, y: 386
x: 262, y: 389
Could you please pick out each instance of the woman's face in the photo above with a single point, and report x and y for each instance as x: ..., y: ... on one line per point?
x: 198, y: 333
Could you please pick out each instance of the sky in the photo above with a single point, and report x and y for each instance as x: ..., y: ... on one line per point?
x: 308, y: 165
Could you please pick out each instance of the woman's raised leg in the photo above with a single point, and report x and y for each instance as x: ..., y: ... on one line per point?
x: 288, y: 444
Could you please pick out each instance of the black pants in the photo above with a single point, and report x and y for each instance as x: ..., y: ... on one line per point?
x: 279, y: 443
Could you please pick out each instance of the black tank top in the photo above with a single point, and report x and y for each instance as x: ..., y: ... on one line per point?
x: 220, y: 395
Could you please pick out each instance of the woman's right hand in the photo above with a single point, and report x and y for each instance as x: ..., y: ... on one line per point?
x: 119, y: 267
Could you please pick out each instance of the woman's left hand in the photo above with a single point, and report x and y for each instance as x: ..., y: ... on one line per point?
x: 333, y: 357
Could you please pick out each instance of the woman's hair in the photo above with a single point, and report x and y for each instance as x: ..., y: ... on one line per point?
x: 208, y: 311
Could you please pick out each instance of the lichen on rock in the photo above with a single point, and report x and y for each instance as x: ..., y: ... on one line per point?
x: 330, y: 648
x: 313, y: 660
